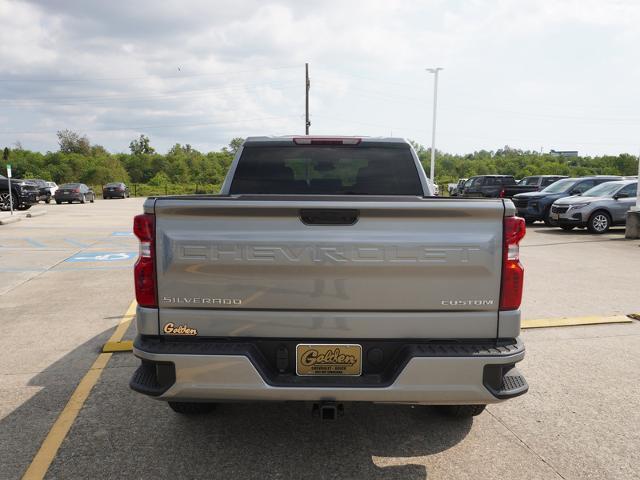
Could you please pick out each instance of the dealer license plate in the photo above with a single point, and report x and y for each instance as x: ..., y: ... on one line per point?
x: 329, y: 359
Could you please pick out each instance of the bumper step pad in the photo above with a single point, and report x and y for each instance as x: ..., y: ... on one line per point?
x: 153, y: 378
x: 504, y: 381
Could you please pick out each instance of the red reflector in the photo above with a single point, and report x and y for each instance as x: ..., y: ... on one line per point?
x: 501, y: 195
x: 144, y: 226
x: 512, y: 269
x: 326, y: 140
x: 514, y: 230
x: 144, y: 273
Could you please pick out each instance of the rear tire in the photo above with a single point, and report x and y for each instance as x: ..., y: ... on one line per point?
x: 93, y: 198
x: 462, y: 411
x: 599, y: 222
x: 191, y: 408
x: 48, y: 199
x: 58, y: 202
x: 83, y: 199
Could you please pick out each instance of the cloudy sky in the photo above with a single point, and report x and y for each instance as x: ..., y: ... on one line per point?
x: 550, y: 74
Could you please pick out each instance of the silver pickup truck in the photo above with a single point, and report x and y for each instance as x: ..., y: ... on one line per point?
x: 326, y: 272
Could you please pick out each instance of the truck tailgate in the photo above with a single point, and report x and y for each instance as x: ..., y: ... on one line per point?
x: 416, y: 255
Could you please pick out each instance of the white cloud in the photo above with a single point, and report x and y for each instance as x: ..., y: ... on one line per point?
x: 530, y: 73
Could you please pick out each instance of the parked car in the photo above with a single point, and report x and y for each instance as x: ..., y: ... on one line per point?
x: 457, y: 189
x: 534, y: 206
x: 74, y: 192
x: 598, y: 208
x: 52, y: 186
x: 486, y: 186
x: 115, y: 190
x: 530, y: 184
x: 377, y: 301
x: 44, y: 192
x: 24, y: 194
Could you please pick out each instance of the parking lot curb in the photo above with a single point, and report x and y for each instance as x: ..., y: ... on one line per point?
x: 8, y: 220
x: 121, y: 346
x: 574, y: 321
x: 39, y: 213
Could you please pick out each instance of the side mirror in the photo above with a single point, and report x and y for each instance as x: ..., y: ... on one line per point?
x: 621, y: 195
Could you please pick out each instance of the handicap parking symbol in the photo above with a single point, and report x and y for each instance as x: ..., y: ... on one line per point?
x: 101, y: 256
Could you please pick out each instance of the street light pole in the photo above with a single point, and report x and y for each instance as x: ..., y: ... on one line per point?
x: 433, y: 127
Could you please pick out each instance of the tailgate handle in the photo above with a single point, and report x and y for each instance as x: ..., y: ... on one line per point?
x: 322, y: 216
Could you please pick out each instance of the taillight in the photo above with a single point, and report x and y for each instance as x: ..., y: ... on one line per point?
x: 501, y: 194
x: 76, y: 190
x: 144, y: 273
x: 512, y: 269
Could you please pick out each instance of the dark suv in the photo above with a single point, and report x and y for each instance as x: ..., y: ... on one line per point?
x: 534, y: 206
x: 24, y: 194
x: 487, y: 185
x: 44, y: 192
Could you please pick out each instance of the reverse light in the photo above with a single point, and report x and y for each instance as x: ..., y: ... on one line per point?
x: 327, y: 140
x: 512, y: 269
x: 144, y: 270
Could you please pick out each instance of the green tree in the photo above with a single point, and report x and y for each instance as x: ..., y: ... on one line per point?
x: 160, y: 179
x: 141, y: 146
x: 234, y: 145
x: 72, y: 142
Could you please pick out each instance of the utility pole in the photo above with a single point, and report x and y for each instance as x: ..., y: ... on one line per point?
x: 433, y: 127
x: 307, y: 84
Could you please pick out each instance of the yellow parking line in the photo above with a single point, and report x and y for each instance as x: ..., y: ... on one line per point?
x: 568, y: 322
x: 49, y: 448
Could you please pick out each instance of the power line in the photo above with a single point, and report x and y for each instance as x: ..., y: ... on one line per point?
x: 232, y: 86
x: 368, y: 94
x: 148, y: 127
x: 457, y: 135
x: 77, y: 100
x: 150, y: 76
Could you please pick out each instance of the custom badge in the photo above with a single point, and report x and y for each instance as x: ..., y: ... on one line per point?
x: 172, y: 329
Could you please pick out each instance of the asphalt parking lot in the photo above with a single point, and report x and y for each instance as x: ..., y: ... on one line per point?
x: 66, y: 282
